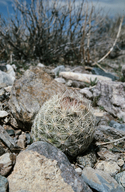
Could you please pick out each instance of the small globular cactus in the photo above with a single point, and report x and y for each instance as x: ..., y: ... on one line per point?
x: 66, y: 123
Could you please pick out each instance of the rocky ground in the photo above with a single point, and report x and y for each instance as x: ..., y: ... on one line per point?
x: 39, y: 166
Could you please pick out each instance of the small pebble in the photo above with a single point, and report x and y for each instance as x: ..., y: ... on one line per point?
x: 79, y: 171
x: 120, y: 162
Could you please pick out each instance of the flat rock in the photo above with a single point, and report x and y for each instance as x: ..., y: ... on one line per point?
x: 98, y: 71
x: 83, y: 77
x: 111, y: 96
x: 30, y: 92
x: 3, y: 184
x: 42, y: 167
x: 100, y: 180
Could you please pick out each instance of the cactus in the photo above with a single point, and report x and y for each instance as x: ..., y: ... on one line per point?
x: 66, y: 123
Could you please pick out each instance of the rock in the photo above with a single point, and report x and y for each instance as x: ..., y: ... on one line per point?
x: 6, y: 163
x: 13, y: 122
x: 79, y: 69
x: 40, y: 65
x: 100, y: 180
x: 109, y: 167
x: 76, y: 84
x: 120, y: 162
x: 10, y: 72
x: 22, y: 141
x: 7, y: 78
x: 8, y: 141
x: 42, y: 167
x: 99, y: 115
x: 103, y: 133
x: 28, y: 138
x: 18, y: 132
x: 10, y: 132
x: 120, y: 178
x: 116, y: 125
x: 69, y: 83
x: 86, y: 93
x: 14, y: 66
x: 58, y: 69
x: 3, y: 184
x: 106, y: 118
x: 107, y: 155
x: 79, y: 171
x: 3, y: 114
x: 83, y: 77
x: 87, y: 160
x: 98, y: 71
x: 30, y: 92
x: 60, y: 80
x: 111, y: 96
x: 8, y: 89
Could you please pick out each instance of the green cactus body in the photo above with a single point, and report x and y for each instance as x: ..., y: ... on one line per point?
x: 66, y: 123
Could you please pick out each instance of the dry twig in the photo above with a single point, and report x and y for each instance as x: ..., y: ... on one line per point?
x: 116, y: 140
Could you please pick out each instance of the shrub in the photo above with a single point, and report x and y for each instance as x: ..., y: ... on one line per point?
x: 50, y: 30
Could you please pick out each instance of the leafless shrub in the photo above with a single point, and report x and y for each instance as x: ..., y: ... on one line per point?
x: 50, y: 30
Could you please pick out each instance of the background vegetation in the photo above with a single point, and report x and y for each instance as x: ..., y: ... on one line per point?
x: 57, y: 31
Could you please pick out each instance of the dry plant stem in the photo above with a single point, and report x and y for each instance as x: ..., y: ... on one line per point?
x: 88, y: 36
x: 118, y: 34
x: 99, y: 66
x: 82, y: 49
x: 110, y: 141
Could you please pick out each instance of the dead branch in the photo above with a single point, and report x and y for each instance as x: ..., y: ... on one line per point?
x: 116, y: 140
